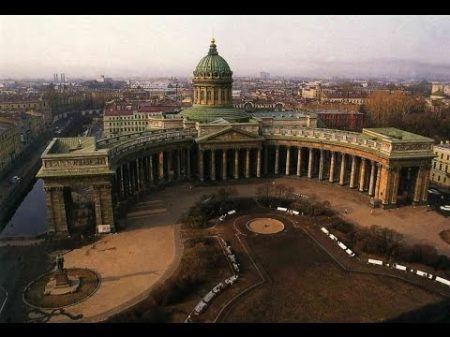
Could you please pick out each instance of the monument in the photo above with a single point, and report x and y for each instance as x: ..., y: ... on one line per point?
x: 60, y: 283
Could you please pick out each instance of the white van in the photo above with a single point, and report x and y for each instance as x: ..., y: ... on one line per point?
x: 208, y: 297
x: 324, y: 230
x: 200, y: 307
x: 442, y: 280
x: 399, y: 267
x: 377, y: 262
x: 349, y: 252
x: 332, y: 237
x: 233, y: 211
x: 423, y: 274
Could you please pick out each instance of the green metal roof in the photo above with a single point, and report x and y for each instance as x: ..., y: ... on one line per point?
x: 211, y: 113
x: 395, y: 135
x: 213, y: 64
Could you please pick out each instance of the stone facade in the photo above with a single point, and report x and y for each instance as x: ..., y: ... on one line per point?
x: 440, y: 172
x: 119, y: 168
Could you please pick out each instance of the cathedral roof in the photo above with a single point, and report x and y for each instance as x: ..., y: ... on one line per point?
x: 213, y: 64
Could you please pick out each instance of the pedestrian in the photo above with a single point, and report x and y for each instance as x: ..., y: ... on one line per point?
x: 345, y: 211
x: 371, y: 211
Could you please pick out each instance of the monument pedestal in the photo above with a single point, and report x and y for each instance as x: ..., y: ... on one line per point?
x: 61, y: 283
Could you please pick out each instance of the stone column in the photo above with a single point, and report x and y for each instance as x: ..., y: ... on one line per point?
x: 332, y: 163
x: 362, y: 174
x: 178, y: 164
x: 372, y: 178
x: 266, y: 160
x: 98, y: 207
x: 353, y: 172
x: 299, y: 162
x: 169, y: 165
x: 247, y: 163
x: 395, y: 182
x: 418, y: 186
x: 224, y: 164
x: 121, y: 183
x: 277, y: 158
x: 130, y: 179
x: 104, y: 214
x: 321, y: 164
x: 188, y: 163
x: 161, y: 166
x: 426, y: 183
x: 150, y: 169
x: 288, y: 159
x: 378, y: 182
x: 56, y: 206
x: 385, y: 185
x: 258, y: 164
x: 236, y: 163
x: 138, y: 178
x: 342, y: 172
x: 213, y: 165
x: 200, y: 166
x: 310, y: 162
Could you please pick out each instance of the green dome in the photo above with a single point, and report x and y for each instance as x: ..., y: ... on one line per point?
x: 213, y: 65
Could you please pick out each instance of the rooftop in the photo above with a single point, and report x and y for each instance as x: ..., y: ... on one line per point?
x: 280, y: 115
x: 443, y: 146
x: 395, y: 135
x: 73, y: 145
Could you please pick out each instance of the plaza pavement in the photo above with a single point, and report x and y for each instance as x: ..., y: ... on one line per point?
x: 129, y: 263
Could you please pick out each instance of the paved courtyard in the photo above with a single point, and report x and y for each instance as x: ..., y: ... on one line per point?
x: 130, y: 263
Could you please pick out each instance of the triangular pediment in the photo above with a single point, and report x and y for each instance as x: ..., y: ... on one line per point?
x: 229, y: 134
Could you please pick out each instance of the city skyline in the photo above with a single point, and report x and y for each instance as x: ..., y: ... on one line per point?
x: 152, y: 46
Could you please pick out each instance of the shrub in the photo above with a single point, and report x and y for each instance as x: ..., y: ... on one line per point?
x: 377, y: 240
x: 343, y: 227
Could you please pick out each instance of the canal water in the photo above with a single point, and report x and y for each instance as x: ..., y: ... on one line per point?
x: 30, y: 218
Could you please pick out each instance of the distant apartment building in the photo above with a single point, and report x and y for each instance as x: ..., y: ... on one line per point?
x: 310, y: 92
x: 340, y: 96
x: 10, y: 144
x: 440, y: 169
x: 263, y: 75
x: 41, y: 106
x: 342, y: 120
x: 440, y: 89
x: 121, y: 118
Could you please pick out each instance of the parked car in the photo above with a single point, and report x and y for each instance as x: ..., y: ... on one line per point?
x: 445, y: 208
x: 218, y: 288
x: 434, y: 191
x: 231, y: 279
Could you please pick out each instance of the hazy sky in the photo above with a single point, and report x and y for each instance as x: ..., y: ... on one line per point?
x: 32, y: 46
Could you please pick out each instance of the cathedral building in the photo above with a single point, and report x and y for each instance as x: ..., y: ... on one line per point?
x: 89, y: 182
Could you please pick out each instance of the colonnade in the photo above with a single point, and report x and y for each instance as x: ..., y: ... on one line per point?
x: 229, y: 163
x: 367, y: 176
x: 138, y: 174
